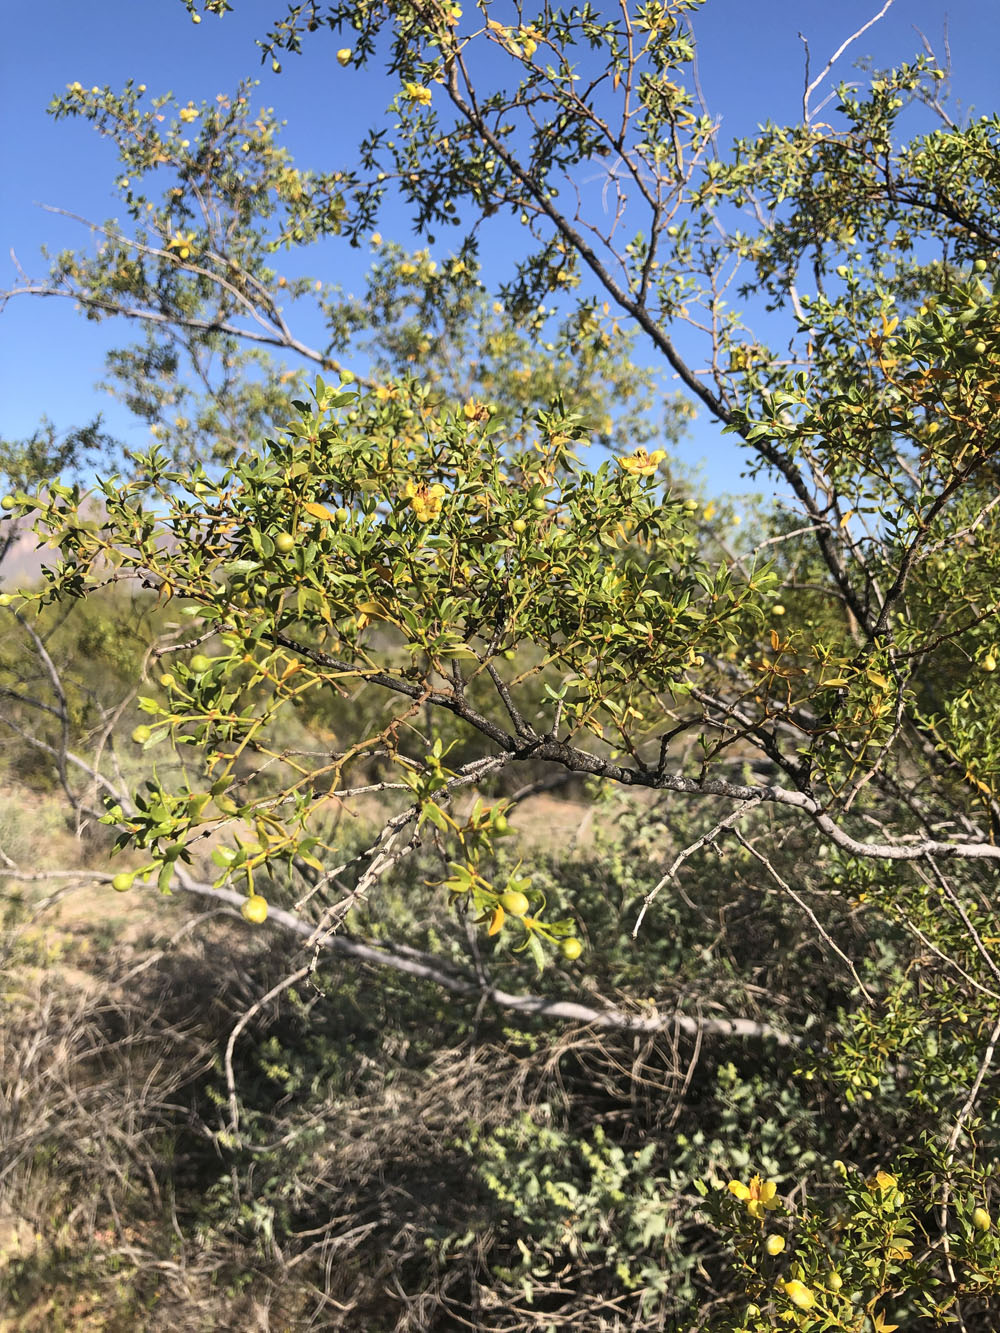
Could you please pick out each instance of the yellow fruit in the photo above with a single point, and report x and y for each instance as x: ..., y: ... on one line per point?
x: 989, y: 662
x: 777, y: 609
x: 344, y: 55
x: 799, y: 1294
x: 8, y: 502
x: 141, y: 735
x: 834, y: 1281
x: 255, y: 909
x: 979, y: 348
x: 123, y: 882
x: 981, y: 1219
x: 199, y: 664
x: 572, y: 948
x: 284, y: 542
x: 514, y: 903
x: 519, y: 525
x: 980, y: 265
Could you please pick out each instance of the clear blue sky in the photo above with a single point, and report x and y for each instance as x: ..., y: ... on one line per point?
x: 751, y: 69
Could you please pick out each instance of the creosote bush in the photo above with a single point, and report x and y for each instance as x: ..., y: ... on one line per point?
x: 393, y: 590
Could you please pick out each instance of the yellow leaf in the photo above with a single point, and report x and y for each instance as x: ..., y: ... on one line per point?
x: 496, y: 922
x: 318, y: 511
x: 775, y: 640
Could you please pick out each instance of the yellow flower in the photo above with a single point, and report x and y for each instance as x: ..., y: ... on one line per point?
x: 799, y: 1294
x: 641, y: 464
x: 529, y: 41
x: 774, y: 1244
x: 189, y: 113
x: 425, y: 501
x: 709, y: 512
x: 759, y: 1195
x: 883, y: 1181
x: 416, y: 92
x: 181, y: 241
x: 344, y: 55
x: 475, y: 412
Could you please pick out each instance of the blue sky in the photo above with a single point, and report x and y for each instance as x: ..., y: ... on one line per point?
x: 751, y: 66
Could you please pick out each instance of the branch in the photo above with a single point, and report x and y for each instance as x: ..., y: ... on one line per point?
x: 537, y: 1006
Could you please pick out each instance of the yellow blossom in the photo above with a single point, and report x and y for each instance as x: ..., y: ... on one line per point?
x: 189, y: 113
x: 759, y: 1195
x: 474, y: 411
x: 709, y: 512
x: 376, y: 238
x: 774, y: 1245
x: 425, y: 501
x: 799, y: 1294
x: 181, y: 241
x: 416, y: 92
x: 641, y: 464
x: 344, y: 55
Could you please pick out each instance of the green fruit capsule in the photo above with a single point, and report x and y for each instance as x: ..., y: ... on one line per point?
x: 284, y: 542
x: 123, y: 882
x: 199, y: 664
x: 8, y: 502
x: 980, y: 266
x: 255, y: 909
x: 141, y: 735
x: 571, y: 949
x: 514, y: 903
